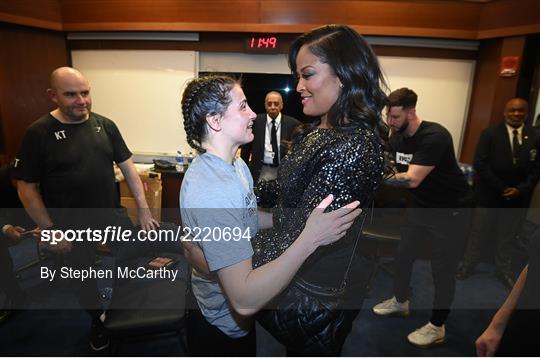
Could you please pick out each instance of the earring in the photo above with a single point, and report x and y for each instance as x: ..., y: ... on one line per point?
x: 341, y: 85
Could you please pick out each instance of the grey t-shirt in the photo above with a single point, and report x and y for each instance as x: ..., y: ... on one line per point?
x: 218, y: 205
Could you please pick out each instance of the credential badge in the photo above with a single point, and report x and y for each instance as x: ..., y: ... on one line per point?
x: 532, y: 155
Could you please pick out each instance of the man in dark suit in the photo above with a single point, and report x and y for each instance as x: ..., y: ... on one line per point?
x: 273, y: 133
x: 508, y: 168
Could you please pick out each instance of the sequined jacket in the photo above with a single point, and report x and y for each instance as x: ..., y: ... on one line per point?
x: 348, y: 165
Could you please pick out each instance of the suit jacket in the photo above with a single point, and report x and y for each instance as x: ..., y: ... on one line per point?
x: 256, y: 148
x: 496, y: 170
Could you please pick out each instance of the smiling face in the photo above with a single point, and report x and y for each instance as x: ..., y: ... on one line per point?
x: 318, y: 85
x: 71, y: 93
x: 237, y: 121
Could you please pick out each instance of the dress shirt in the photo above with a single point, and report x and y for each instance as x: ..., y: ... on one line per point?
x: 510, y: 131
x: 268, y: 158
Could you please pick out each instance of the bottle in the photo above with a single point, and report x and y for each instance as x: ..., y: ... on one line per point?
x: 470, y: 175
x: 190, y: 158
x: 179, y: 161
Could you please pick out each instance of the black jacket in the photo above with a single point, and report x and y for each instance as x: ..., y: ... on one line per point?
x: 256, y: 148
x: 496, y: 171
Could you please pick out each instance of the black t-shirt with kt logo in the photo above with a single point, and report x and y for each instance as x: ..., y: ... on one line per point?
x: 73, y: 163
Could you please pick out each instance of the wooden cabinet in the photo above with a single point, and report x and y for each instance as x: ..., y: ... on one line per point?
x: 28, y: 57
x: 170, y: 205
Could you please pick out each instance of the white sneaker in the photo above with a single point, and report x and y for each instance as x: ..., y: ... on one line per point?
x: 428, y: 336
x: 391, y: 307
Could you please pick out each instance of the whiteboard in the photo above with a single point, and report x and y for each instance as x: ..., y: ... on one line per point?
x: 443, y: 85
x: 243, y: 63
x: 140, y: 91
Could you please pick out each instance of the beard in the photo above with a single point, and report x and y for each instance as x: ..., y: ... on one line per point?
x: 75, y: 115
x: 403, y: 128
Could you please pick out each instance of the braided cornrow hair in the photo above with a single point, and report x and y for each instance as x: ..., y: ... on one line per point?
x: 203, y: 96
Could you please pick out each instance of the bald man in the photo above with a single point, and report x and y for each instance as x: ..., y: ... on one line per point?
x: 66, y: 162
x: 272, y: 134
x: 507, y: 167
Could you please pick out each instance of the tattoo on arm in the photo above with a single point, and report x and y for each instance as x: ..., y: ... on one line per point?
x: 399, y: 180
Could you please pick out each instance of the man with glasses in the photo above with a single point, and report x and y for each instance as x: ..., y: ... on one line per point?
x: 272, y: 135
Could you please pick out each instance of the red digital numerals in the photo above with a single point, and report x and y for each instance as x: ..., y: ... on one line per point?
x: 263, y: 42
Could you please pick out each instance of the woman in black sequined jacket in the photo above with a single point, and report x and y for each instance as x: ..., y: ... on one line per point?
x: 217, y: 195
x: 341, y: 84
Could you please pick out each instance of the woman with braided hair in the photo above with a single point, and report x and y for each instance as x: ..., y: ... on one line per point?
x: 217, y: 198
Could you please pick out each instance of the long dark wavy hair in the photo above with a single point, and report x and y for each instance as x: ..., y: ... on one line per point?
x: 202, y: 97
x: 363, y: 97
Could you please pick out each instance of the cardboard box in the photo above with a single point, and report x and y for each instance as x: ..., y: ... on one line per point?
x: 150, y: 178
x: 152, y: 190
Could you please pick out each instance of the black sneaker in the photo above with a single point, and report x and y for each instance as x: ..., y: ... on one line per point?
x: 4, y: 315
x: 99, y: 340
x: 464, y: 272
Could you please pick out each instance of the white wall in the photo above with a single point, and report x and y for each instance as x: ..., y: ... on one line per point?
x: 443, y: 86
x: 141, y: 90
x: 244, y: 63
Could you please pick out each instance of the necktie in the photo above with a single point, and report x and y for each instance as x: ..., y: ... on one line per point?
x: 515, y: 145
x: 273, y: 142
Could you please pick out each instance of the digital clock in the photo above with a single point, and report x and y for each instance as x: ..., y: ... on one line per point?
x: 262, y: 44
